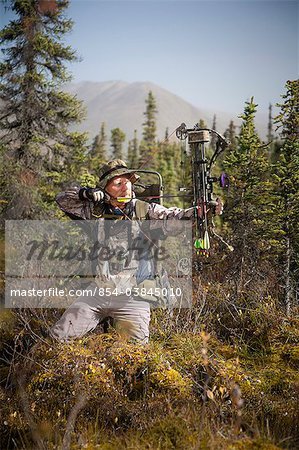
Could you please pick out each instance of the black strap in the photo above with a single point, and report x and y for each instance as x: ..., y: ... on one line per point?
x: 81, y: 193
x: 112, y: 170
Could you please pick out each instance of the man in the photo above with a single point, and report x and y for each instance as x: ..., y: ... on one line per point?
x: 126, y: 275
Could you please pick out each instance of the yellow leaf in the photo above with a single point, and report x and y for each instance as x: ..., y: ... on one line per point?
x: 222, y: 390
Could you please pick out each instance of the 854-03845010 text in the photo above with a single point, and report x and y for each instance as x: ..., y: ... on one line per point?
x: 97, y: 291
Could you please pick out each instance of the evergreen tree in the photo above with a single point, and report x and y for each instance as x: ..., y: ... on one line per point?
x: 35, y: 113
x: 117, y: 139
x: 133, y: 152
x: 202, y: 123
x: 213, y: 137
x: 286, y: 178
x: 98, y: 152
x: 168, y: 164
x: 247, y: 203
x: 230, y: 135
x: 148, y: 143
x: 166, y: 134
x: 270, y: 135
x: 185, y: 174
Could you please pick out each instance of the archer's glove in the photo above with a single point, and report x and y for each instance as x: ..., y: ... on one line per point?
x: 94, y: 195
x: 217, y: 206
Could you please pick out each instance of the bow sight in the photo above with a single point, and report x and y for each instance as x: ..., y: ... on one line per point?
x: 202, y: 181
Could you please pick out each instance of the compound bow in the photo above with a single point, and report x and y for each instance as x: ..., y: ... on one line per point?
x: 202, y: 182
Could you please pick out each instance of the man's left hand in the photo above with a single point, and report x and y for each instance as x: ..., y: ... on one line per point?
x: 219, y: 207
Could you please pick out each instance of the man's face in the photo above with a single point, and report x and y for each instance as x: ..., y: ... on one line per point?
x: 120, y: 186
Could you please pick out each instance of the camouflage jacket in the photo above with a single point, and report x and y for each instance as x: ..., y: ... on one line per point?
x: 75, y: 208
x: 131, y: 271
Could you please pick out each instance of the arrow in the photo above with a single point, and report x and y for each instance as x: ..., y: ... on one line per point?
x: 124, y: 199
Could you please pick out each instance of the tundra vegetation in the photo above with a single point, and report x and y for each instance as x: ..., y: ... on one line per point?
x: 221, y: 375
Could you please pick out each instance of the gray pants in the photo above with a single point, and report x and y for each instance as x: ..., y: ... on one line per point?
x: 132, y: 317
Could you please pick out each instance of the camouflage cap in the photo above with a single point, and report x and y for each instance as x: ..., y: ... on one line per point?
x: 114, y: 168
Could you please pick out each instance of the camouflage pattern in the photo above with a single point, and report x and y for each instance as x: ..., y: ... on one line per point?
x: 75, y: 208
x: 132, y: 314
x: 114, y: 168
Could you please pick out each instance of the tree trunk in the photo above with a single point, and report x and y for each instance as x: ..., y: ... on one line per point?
x: 287, y: 299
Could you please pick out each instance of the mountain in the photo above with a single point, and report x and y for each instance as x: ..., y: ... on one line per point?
x: 121, y: 104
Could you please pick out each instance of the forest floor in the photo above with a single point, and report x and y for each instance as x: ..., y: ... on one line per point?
x: 186, y: 389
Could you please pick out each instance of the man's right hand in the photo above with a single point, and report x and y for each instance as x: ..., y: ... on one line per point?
x: 93, y: 194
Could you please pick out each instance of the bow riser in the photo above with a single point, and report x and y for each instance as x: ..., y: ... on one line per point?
x: 203, y: 202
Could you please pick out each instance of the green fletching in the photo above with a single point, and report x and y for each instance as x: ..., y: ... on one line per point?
x: 198, y: 244
x: 202, y: 244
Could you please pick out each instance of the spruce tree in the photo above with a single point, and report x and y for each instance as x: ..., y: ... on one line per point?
x: 202, y: 123
x: 98, y: 151
x: 213, y: 137
x: 132, y: 159
x: 270, y: 135
x: 230, y: 135
x: 286, y: 182
x: 168, y: 164
x: 248, y: 199
x: 117, y: 139
x: 35, y: 112
x: 148, y: 143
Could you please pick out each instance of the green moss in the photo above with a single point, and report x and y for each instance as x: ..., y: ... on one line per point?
x: 8, y: 321
x: 172, y: 432
x: 250, y: 444
x: 290, y: 355
x: 175, y: 394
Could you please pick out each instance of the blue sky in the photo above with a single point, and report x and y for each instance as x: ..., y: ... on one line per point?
x: 214, y: 54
